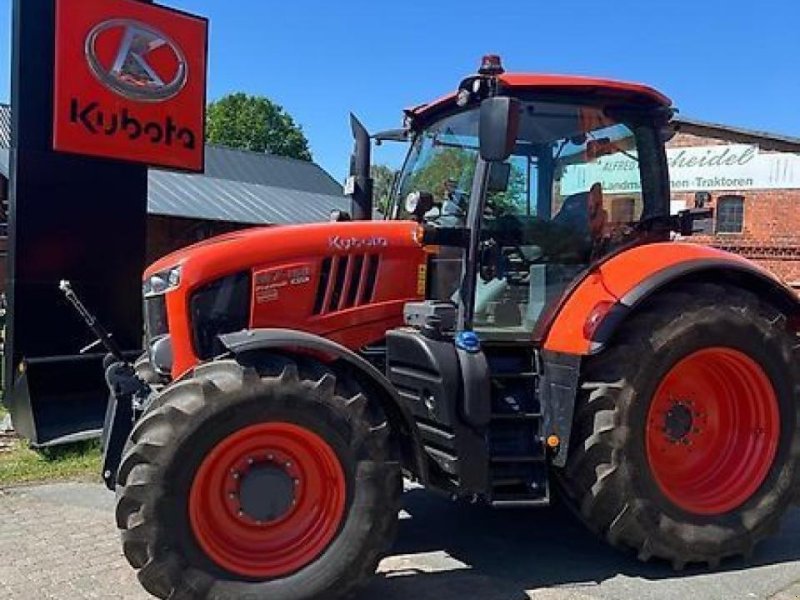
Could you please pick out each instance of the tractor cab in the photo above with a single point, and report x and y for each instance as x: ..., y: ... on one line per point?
x: 551, y: 179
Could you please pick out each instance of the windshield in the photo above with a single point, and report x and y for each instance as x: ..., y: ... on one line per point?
x: 572, y: 165
x: 442, y: 162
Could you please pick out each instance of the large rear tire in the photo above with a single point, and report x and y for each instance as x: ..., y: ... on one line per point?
x: 687, y: 429
x: 272, y: 482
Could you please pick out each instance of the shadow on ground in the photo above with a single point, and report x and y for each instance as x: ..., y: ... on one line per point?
x: 480, y: 553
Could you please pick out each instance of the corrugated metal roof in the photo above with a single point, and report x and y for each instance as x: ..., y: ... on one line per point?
x: 268, y: 169
x: 5, y: 126
x: 238, y: 186
x: 203, y: 197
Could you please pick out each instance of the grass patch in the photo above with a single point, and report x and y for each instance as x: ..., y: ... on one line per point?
x: 20, y: 464
x: 3, y: 410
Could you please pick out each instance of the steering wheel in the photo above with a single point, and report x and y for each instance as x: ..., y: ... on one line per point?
x: 494, y: 260
x: 525, y: 257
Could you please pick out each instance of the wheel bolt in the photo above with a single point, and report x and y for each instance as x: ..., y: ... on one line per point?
x: 232, y: 495
x: 250, y: 461
x: 270, y: 457
x: 287, y: 464
x: 235, y: 475
x: 241, y: 514
x: 297, y: 482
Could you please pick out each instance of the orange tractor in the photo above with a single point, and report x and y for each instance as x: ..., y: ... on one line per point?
x: 522, y: 321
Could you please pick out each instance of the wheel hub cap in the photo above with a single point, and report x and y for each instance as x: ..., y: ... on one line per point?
x: 266, y: 492
x: 678, y: 422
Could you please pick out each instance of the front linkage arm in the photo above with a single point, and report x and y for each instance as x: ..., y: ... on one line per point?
x: 128, y: 392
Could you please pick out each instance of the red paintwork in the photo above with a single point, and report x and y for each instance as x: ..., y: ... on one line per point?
x: 121, y: 127
x: 238, y: 543
x: 265, y: 250
x: 631, y: 92
x: 612, y: 280
x: 733, y: 439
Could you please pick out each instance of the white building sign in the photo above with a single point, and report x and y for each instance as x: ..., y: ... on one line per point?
x: 702, y: 168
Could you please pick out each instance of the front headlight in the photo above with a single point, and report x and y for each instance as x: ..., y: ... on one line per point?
x: 162, y: 281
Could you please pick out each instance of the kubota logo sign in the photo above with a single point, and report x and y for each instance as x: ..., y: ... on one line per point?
x: 130, y: 82
x: 148, y: 66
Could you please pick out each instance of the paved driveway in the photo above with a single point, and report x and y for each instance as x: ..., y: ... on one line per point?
x: 59, y: 541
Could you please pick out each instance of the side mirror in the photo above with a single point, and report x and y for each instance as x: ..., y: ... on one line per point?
x: 498, y: 127
x: 499, y: 174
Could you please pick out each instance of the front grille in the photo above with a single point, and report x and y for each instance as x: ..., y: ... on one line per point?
x: 222, y: 306
x: 345, y: 282
x: 155, y: 317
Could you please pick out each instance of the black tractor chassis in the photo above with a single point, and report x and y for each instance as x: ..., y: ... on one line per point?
x: 484, y: 416
x: 128, y: 397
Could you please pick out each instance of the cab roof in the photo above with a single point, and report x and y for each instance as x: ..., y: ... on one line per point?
x: 635, y: 93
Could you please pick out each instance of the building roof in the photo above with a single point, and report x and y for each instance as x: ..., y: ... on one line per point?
x: 246, y: 187
x: 5, y: 126
x: 238, y: 186
x: 219, y: 199
x: 766, y: 140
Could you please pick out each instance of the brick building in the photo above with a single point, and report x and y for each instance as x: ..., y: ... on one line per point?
x: 751, y: 180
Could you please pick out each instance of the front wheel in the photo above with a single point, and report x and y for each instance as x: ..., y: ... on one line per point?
x: 277, y: 482
x: 687, y: 443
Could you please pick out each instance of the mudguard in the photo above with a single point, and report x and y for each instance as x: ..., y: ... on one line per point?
x: 590, y: 313
x: 301, y: 342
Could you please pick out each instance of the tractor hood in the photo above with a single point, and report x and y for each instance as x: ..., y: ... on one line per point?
x: 250, y: 249
x: 347, y: 281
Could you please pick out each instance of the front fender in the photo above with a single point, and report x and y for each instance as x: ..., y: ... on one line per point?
x: 591, y: 313
x: 290, y: 341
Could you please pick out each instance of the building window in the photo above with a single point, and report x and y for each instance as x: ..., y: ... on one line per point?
x: 730, y: 214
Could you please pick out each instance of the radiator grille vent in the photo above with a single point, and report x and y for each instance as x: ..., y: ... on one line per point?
x: 346, y: 281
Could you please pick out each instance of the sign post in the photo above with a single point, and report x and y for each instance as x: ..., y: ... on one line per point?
x: 81, y: 143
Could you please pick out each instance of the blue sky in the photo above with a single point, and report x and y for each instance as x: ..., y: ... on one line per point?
x: 733, y: 62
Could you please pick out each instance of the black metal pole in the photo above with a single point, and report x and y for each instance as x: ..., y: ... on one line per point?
x: 71, y: 217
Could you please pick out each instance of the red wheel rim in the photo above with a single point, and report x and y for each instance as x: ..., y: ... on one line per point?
x: 275, y: 547
x: 712, y: 431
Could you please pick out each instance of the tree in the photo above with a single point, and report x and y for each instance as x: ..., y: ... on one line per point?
x: 255, y: 123
x: 441, y: 166
x: 382, y: 179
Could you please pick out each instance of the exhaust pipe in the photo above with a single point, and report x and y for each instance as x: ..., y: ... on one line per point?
x: 359, y: 184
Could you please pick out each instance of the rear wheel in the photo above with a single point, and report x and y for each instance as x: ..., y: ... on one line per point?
x: 686, y: 441
x: 271, y: 483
